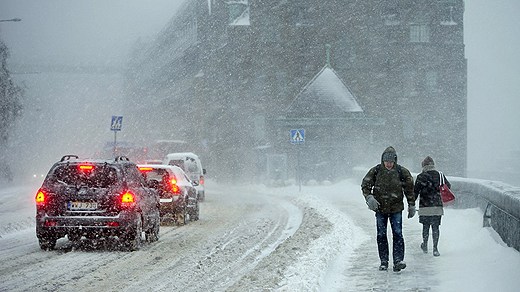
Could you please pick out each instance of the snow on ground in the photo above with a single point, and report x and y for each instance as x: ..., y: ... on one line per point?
x: 473, y: 258
x: 333, y: 248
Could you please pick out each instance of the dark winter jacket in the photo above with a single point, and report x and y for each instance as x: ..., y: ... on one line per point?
x: 427, y: 190
x: 388, y: 186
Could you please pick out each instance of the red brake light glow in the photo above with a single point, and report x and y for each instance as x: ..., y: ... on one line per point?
x: 175, y: 187
x: 112, y: 224
x: 50, y: 223
x: 201, y: 180
x: 40, y: 197
x: 145, y: 169
x: 127, y: 199
x: 86, y: 167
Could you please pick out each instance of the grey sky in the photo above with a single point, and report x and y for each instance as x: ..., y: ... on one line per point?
x: 493, y: 53
x: 101, y: 32
x: 93, y: 31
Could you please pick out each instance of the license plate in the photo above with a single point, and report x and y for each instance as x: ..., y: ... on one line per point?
x: 76, y: 206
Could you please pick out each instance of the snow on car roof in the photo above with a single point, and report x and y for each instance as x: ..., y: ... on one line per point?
x: 161, y: 166
x: 182, y: 155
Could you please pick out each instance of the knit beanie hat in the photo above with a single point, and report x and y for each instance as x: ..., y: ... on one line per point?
x: 427, y: 161
x: 389, y: 155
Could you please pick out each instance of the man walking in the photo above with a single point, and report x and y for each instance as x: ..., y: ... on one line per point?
x: 383, y: 187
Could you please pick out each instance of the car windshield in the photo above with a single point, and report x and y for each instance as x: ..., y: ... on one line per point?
x: 100, y: 176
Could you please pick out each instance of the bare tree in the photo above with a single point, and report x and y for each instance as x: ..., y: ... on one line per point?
x: 10, y: 108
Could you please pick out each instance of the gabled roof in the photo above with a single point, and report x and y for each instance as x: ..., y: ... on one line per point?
x: 325, y: 96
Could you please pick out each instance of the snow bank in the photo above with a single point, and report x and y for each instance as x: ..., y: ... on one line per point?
x: 499, y: 201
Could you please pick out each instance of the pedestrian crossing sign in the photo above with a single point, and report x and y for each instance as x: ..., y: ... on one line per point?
x: 117, y: 123
x: 297, y: 136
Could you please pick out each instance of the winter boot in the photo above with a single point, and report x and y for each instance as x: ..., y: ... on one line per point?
x: 399, y: 266
x: 424, y: 247
x: 436, y: 252
x: 383, y: 266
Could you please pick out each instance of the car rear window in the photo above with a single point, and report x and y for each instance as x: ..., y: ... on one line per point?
x: 156, y: 174
x: 179, y: 163
x: 100, y: 176
x: 191, y: 166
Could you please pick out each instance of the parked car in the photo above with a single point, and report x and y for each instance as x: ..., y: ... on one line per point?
x: 190, y: 163
x: 178, y: 196
x: 96, y: 198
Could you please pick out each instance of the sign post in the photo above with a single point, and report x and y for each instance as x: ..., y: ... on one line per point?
x: 115, y: 125
x: 297, y: 137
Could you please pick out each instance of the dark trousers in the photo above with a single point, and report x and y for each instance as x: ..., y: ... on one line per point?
x: 396, y: 223
x: 434, y: 222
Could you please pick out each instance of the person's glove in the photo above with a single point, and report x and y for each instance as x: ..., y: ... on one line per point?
x: 372, y: 203
x: 411, y: 211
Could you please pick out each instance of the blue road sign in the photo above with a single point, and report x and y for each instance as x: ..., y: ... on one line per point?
x: 297, y: 136
x: 117, y: 123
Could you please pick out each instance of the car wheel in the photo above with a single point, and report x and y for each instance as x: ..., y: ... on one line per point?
x: 152, y: 234
x: 47, y: 243
x: 133, y: 239
x: 182, y: 216
x: 194, y: 216
x: 74, y: 237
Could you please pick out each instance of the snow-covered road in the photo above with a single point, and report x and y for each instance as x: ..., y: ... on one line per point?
x: 255, y: 238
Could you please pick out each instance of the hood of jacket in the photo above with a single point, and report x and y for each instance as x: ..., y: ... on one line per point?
x: 390, y: 150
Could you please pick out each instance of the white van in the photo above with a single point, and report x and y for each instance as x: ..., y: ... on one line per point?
x: 190, y: 163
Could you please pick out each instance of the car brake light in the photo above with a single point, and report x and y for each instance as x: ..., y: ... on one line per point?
x: 127, y: 199
x: 201, y: 180
x: 175, y: 187
x: 145, y: 169
x: 86, y: 167
x: 50, y: 223
x: 40, y: 197
x: 113, y: 224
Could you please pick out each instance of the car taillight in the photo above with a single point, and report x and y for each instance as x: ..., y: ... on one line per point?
x: 112, y: 224
x: 50, y: 223
x: 40, y: 198
x: 86, y: 167
x: 175, y: 187
x: 127, y: 199
x: 201, y: 180
x: 145, y: 169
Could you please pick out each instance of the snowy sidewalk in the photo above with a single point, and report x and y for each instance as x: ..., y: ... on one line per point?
x: 473, y: 258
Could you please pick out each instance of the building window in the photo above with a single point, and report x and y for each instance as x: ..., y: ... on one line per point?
x: 301, y: 16
x: 259, y: 127
x: 390, y: 13
x: 410, y: 84
x: 419, y: 33
x: 432, y: 83
x: 448, y: 15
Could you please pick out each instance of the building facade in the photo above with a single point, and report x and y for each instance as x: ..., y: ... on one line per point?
x: 225, y: 70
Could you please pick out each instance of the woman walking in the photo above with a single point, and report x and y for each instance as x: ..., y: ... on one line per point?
x: 430, y: 203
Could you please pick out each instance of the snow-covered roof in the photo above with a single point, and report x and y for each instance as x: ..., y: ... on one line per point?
x: 243, y: 19
x: 324, y: 96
